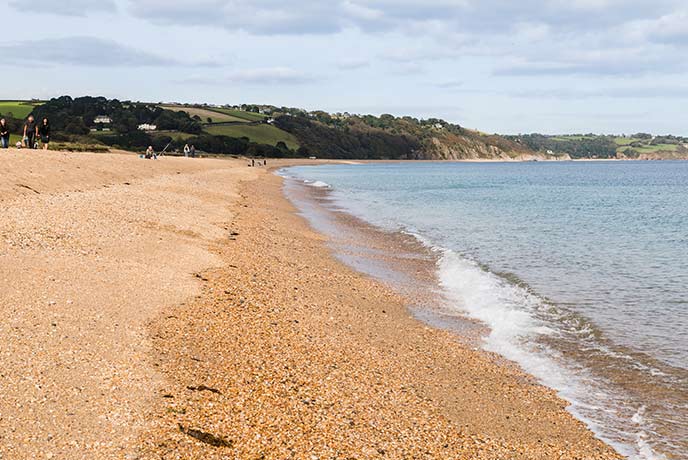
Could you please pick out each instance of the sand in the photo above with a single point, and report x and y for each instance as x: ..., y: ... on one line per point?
x: 179, y: 308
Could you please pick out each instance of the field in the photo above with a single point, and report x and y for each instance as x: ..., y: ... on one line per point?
x: 214, y: 114
x: 218, y: 115
x: 657, y: 148
x: 246, y: 116
x: 19, y: 109
x: 262, y: 134
x: 571, y: 138
x: 624, y: 143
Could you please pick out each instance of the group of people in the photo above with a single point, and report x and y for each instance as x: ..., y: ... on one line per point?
x: 33, y: 133
x: 189, y: 151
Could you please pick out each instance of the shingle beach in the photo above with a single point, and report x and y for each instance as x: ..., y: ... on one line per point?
x: 181, y: 309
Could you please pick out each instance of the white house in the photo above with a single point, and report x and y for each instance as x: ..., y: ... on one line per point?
x: 102, y: 120
x: 147, y: 127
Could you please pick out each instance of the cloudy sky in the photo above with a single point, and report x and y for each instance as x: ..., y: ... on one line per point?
x: 507, y: 66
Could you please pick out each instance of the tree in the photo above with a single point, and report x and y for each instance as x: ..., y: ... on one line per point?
x: 76, y: 126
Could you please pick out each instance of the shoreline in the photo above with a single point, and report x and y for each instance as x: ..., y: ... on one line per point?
x: 399, y: 259
x: 624, y: 406
x: 183, y: 308
x: 299, y: 356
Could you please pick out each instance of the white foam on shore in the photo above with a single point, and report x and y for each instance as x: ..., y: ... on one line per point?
x: 510, y: 313
x: 507, y: 310
x: 318, y: 184
x: 645, y: 451
x: 515, y: 321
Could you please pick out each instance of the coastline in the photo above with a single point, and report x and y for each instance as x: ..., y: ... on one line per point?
x: 181, y: 308
x: 298, y: 356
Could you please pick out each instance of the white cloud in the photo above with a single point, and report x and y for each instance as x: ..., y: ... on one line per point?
x: 256, y: 76
x: 64, y: 7
x: 81, y: 51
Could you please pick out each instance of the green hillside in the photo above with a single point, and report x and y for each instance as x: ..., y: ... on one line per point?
x: 240, y: 114
x: 218, y: 121
x: 204, y: 114
x: 261, y: 134
x: 19, y: 109
x: 640, y: 145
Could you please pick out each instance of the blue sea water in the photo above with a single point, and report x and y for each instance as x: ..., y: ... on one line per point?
x: 580, y: 270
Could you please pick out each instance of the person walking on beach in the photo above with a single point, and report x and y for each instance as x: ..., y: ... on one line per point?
x: 44, y: 133
x: 187, y: 150
x: 193, y: 151
x: 30, y: 132
x: 4, y: 134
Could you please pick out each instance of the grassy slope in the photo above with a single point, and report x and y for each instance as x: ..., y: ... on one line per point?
x: 247, y: 116
x: 215, y: 115
x: 657, y: 148
x: 624, y: 143
x: 262, y: 134
x: 20, y: 109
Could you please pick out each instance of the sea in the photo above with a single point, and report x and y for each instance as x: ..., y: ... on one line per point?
x: 576, y: 271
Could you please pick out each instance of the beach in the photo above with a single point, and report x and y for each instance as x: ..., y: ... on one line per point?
x: 180, y: 308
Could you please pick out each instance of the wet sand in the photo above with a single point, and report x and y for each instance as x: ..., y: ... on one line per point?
x: 181, y: 309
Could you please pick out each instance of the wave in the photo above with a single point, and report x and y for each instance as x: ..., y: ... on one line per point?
x: 513, y: 315
x: 537, y: 334
x: 318, y: 184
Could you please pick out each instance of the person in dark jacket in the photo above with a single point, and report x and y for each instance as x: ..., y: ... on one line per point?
x: 4, y: 134
x: 44, y: 133
x: 30, y: 132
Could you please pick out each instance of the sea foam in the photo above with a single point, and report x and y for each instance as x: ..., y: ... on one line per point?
x: 510, y: 311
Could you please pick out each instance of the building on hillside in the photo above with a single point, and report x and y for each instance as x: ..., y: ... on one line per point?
x: 102, y: 120
x: 147, y: 127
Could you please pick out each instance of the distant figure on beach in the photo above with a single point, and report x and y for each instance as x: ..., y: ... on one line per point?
x: 253, y: 162
x: 187, y: 150
x: 30, y: 132
x: 4, y: 134
x: 150, y: 153
x: 265, y: 162
x: 44, y: 133
x: 193, y: 151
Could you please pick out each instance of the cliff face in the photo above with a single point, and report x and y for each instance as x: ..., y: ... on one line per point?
x: 476, y: 147
x: 680, y: 153
x: 371, y: 138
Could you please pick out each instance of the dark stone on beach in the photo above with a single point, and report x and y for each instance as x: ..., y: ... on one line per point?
x: 204, y: 388
x: 206, y: 438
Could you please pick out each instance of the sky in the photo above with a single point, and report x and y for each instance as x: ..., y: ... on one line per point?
x: 501, y: 66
